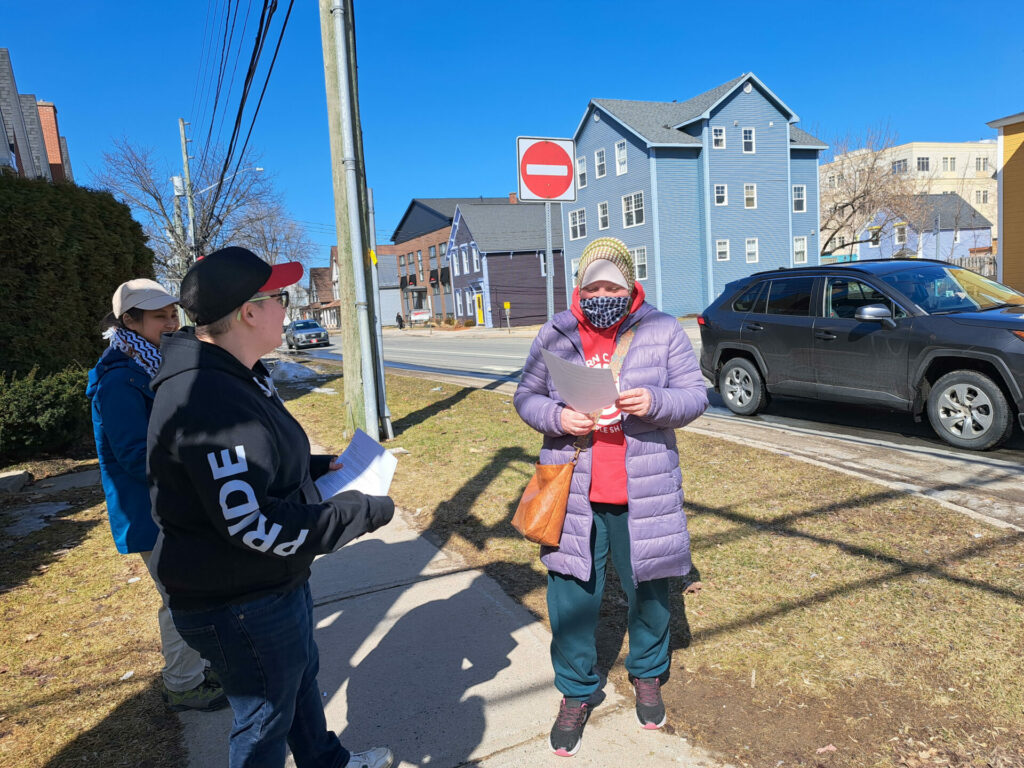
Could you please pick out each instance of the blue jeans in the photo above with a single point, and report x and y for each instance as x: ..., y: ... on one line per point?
x: 267, y: 660
x: 574, y: 607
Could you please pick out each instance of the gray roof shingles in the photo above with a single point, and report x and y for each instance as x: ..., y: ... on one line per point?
x: 953, y: 212
x: 654, y: 120
x: 511, y: 227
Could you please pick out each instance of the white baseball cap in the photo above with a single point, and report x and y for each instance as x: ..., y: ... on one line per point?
x: 140, y: 293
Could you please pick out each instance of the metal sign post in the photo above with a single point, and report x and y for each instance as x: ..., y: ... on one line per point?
x: 547, y: 173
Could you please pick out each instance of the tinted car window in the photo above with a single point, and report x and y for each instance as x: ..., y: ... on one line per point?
x: 748, y: 299
x: 305, y: 325
x: 843, y: 297
x: 791, y: 296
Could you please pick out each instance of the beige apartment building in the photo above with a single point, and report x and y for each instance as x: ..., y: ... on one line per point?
x: 966, y: 168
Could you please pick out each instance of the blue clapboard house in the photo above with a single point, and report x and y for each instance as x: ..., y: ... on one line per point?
x: 702, y: 192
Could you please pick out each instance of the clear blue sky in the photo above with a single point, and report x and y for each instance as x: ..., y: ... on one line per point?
x: 446, y: 88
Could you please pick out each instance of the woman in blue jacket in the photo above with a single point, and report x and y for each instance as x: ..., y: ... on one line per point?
x: 121, y: 404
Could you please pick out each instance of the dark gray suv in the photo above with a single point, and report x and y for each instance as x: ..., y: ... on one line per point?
x: 908, y: 334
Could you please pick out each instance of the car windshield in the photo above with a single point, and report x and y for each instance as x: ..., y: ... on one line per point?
x: 938, y: 289
x: 306, y: 325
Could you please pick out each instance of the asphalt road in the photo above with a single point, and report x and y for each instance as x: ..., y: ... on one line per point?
x: 888, y: 447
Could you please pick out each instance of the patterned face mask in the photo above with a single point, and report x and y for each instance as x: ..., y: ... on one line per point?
x: 604, y: 311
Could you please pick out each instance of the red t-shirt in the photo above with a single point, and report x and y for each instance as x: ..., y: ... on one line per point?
x: 608, y: 451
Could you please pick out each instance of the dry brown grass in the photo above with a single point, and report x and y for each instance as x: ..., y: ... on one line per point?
x: 77, y: 617
x: 835, y: 611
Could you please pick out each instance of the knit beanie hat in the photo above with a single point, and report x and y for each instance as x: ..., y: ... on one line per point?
x: 606, y: 258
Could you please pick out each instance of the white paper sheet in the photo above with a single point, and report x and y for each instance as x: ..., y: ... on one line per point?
x: 585, y: 389
x: 366, y: 467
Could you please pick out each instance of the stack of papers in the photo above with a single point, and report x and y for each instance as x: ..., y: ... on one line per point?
x: 586, y: 389
x: 366, y: 467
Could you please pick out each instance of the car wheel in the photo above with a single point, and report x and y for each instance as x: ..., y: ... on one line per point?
x: 969, y: 410
x: 742, y: 387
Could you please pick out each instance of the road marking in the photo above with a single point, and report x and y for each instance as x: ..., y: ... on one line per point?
x: 536, y: 169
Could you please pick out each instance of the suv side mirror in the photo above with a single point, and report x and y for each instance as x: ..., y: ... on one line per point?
x: 875, y: 313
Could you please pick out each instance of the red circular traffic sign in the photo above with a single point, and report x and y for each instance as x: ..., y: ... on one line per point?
x: 546, y: 169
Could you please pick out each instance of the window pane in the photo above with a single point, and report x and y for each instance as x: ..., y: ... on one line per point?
x: 791, y: 296
x: 748, y: 300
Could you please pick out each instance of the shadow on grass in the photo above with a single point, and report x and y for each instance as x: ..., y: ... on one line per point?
x: 114, y: 741
x: 23, y: 557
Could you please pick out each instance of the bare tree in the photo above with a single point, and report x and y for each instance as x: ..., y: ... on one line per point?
x: 861, y: 185
x: 247, y: 210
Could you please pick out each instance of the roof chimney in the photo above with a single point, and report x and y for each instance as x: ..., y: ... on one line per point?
x: 512, y: 199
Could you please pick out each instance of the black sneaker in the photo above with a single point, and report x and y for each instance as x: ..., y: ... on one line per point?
x: 650, y: 709
x: 567, y: 732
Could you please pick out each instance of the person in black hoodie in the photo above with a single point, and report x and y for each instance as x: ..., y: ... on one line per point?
x: 232, y: 485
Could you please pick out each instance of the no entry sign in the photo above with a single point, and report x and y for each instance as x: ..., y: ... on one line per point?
x: 547, y: 169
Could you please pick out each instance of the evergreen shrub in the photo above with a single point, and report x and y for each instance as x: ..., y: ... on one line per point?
x: 41, y: 415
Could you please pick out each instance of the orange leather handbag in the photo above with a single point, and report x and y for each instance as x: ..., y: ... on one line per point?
x: 541, y: 511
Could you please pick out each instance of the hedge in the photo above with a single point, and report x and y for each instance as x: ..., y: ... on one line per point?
x: 63, y: 251
x: 42, y: 415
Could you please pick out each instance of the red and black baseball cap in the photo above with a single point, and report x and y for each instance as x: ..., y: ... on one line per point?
x: 224, y: 280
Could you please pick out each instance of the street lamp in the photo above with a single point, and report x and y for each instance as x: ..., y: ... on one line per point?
x: 182, y: 189
x: 256, y: 168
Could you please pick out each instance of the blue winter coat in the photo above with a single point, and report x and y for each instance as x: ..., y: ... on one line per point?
x: 121, y: 403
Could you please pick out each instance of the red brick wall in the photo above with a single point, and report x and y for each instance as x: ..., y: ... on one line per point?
x: 51, y: 138
x: 420, y: 267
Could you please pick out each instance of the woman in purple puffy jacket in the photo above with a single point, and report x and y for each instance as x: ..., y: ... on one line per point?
x: 626, y: 495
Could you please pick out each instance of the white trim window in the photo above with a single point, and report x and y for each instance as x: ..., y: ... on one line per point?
x: 543, y: 263
x: 898, y: 166
x: 799, y: 198
x: 981, y: 196
x: 949, y: 164
x: 476, y: 258
x: 923, y: 164
x: 717, y: 137
x: 600, y: 169
x: 751, y: 250
x: 721, y: 250
x: 981, y: 164
x: 465, y: 260
x: 620, y: 158
x: 875, y: 237
x: 455, y: 264
x: 750, y: 195
x: 749, y: 146
x: 602, y: 216
x: 899, y: 234
x: 577, y: 224
x: 458, y: 303
x: 633, y: 210
x: 956, y: 235
x: 721, y: 194
x: 639, y: 261
x: 574, y: 267
x: 581, y: 172
x: 800, y: 250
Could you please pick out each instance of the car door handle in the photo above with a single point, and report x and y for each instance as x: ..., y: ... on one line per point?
x: 753, y: 326
x: 824, y: 335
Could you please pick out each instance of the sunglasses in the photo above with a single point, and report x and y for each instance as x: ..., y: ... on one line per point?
x: 281, y: 296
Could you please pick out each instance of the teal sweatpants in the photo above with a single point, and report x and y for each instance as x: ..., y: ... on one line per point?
x: 574, y: 606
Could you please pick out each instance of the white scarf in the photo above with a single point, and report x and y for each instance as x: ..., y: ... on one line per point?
x: 135, y: 347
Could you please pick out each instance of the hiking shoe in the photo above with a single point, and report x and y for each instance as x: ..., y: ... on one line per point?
x: 650, y: 709
x: 567, y: 732
x: 378, y: 757
x: 205, y: 697
x: 210, y: 676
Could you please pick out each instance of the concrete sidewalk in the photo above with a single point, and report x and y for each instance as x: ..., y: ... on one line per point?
x: 431, y: 658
